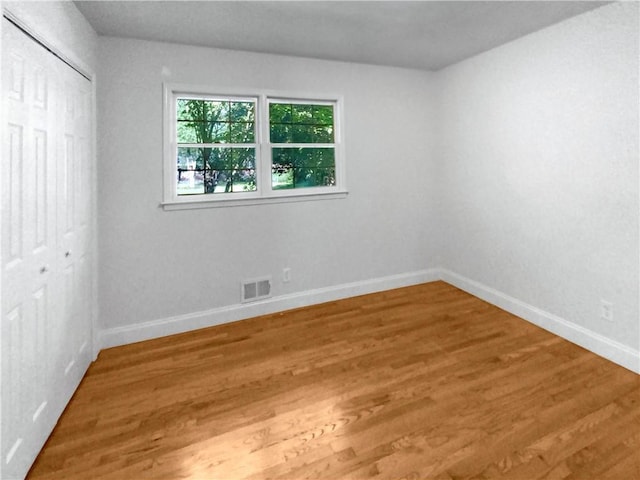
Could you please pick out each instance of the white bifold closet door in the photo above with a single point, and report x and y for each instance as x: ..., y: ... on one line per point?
x: 45, y: 245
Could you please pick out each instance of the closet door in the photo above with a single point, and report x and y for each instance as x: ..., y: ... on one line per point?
x: 73, y: 211
x: 46, y: 325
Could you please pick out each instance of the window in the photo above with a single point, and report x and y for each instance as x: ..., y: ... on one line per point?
x: 302, y: 144
x: 223, y: 149
x: 216, y: 145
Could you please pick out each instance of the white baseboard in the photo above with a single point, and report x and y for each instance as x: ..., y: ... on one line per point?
x: 617, y: 352
x: 113, y: 337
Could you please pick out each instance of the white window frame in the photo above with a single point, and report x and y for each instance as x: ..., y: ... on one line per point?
x: 263, y: 146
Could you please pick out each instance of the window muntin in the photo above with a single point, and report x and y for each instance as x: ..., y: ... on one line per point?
x: 249, y: 148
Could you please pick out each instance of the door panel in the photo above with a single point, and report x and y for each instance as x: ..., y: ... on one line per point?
x: 14, y: 189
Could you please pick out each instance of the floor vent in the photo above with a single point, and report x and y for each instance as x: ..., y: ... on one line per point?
x: 255, y: 289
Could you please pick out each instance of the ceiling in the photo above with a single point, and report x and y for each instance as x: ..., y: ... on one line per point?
x: 426, y: 35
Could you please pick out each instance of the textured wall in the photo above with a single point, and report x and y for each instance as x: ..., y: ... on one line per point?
x: 538, y: 163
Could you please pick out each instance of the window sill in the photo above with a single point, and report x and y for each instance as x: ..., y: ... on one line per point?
x: 195, y: 204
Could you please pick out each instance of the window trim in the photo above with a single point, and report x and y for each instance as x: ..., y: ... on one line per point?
x: 264, y: 194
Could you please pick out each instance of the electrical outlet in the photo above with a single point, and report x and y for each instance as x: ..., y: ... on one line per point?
x: 606, y: 311
x: 286, y: 275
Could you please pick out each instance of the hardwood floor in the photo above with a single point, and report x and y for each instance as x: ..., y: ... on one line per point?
x: 424, y: 382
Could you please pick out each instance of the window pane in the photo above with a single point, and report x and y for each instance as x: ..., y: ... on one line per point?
x: 208, y: 121
x: 242, y: 133
x: 184, y: 110
x: 242, y: 112
x: 219, y: 159
x: 243, y: 158
x: 300, y: 123
x: 312, y: 134
x: 302, y: 114
x: 202, y: 132
x: 302, y: 167
x: 203, y: 110
x: 215, y: 132
x: 190, y: 182
x: 281, y: 133
x: 187, y: 133
x: 244, y: 181
x: 323, y: 115
x: 280, y: 113
x: 230, y: 181
x: 215, y: 170
x: 190, y: 158
x: 323, y: 134
x: 303, y: 134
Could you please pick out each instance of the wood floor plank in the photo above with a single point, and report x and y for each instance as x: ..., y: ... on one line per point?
x: 424, y: 382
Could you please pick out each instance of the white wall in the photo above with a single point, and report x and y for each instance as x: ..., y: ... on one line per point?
x: 157, y: 265
x: 63, y: 27
x: 538, y: 164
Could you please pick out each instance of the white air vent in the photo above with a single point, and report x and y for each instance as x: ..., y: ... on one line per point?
x: 255, y: 289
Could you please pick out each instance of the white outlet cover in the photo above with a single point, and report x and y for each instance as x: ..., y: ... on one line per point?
x: 606, y: 310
